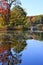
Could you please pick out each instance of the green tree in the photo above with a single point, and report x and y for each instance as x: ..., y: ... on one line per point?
x: 42, y: 19
x: 18, y: 16
x: 38, y: 19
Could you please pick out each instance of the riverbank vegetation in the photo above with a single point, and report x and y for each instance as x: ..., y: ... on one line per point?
x: 35, y: 21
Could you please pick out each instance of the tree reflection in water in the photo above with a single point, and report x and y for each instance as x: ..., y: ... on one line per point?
x: 7, y: 42
x: 14, y: 40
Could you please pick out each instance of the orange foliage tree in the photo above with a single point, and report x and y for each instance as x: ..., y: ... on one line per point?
x: 5, y: 7
x: 4, y: 10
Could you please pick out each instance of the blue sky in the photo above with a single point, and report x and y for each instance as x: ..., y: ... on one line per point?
x: 33, y: 7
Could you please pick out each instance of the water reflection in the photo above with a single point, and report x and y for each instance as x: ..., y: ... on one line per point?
x: 9, y: 42
x: 33, y: 55
x: 33, y: 35
x: 13, y: 43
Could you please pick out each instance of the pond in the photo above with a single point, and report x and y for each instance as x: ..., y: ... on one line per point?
x: 21, y: 48
x: 33, y: 55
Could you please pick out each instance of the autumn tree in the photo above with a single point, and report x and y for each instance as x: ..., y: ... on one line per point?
x: 5, y: 8
x: 18, y: 16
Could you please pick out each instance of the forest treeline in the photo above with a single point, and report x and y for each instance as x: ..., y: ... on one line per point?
x: 35, y: 21
x: 19, y: 20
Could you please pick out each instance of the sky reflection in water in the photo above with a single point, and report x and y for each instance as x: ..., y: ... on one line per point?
x: 33, y: 55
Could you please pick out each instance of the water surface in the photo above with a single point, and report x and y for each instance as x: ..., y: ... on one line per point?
x: 33, y: 54
x: 21, y: 48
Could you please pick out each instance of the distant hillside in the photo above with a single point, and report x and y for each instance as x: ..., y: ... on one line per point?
x: 35, y: 19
